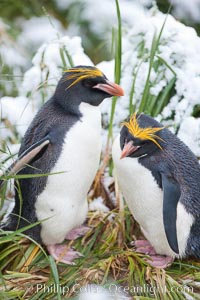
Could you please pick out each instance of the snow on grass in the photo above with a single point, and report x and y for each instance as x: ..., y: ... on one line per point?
x: 99, y: 19
x: 98, y: 205
x: 179, y: 48
x: 189, y: 132
x: 187, y: 9
x: 38, y: 30
x: 38, y: 85
x: 48, y: 65
x: 18, y: 112
x: 10, y: 53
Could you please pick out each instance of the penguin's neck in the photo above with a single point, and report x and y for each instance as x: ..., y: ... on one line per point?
x: 67, y: 105
x: 90, y: 114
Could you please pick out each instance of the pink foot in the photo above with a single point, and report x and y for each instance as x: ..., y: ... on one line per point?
x: 77, y: 232
x: 143, y: 246
x: 157, y: 261
x: 63, y: 253
x: 160, y: 261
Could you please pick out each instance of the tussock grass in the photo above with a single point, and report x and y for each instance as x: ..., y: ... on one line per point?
x: 27, y: 272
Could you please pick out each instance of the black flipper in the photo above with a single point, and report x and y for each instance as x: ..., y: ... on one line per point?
x: 171, y: 191
x: 29, y: 155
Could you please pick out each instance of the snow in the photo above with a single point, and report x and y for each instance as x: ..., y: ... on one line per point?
x: 44, y: 74
x: 48, y: 66
x: 13, y: 60
x: 39, y: 30
x: 187, y: 9
x: 189, y: 132
x: 98, y: 205
x: 107, y: 67
x: 10, y: 52
x: 10, y: 56
x: 97, y: 292
x: 18, y: 111
x: 102, y: 18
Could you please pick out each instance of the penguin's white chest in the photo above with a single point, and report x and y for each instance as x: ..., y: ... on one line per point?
x: 64, y: 200
x: 145, y: 201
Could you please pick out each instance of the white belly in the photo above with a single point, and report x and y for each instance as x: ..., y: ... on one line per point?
x: 145, y: 201
x: 64, y: 200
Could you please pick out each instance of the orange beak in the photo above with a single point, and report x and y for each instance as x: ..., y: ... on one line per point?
x: 110, y: 88
x: 128, y: 149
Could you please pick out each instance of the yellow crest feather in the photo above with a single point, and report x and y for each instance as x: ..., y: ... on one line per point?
x: 79, y: 74
x: 148, y: 133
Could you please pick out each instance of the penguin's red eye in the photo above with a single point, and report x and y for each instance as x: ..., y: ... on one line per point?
x: 89, y: 83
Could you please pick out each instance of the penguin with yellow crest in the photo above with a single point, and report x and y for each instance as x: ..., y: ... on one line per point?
x: 63, y: 138
x: 159, y: 177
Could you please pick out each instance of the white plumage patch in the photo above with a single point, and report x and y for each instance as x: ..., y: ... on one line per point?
x: 64, y: 200
x: 145, y: 201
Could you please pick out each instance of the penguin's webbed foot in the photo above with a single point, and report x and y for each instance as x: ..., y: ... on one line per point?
x: 160, y: 261
x: 77, y: 232
x: 157, y: 261
x: 143, y: 246
x: 63, y: 253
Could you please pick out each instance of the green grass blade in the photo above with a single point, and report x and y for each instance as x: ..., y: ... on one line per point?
x: 131, y: 107
x: 24, y: 176
x: 118, y: 54
x: 145, y: 95
x: 143, y: 107
x: 54, y: 271
x: 166, y: 64
x: 163, y: 99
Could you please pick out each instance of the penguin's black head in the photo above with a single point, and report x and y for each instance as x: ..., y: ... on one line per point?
x: 140, y: 135
x: 84, y: 84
